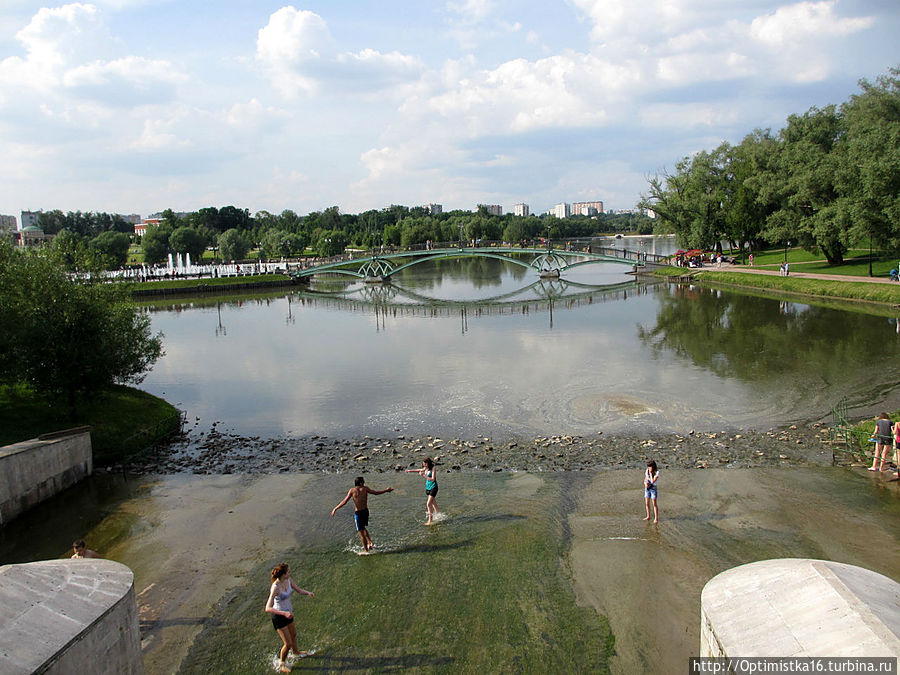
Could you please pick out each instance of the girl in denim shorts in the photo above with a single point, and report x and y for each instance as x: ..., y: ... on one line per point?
x: 651, y: 475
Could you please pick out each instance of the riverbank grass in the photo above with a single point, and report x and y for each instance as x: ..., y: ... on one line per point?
x: 124, y: 420
x: 824, y: 288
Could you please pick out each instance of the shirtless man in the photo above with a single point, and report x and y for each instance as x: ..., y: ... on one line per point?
x: 360, y: 494
x: 82, y: 551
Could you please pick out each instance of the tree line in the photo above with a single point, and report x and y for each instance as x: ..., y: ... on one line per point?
x: 828, y: 180
x: 102, y: 241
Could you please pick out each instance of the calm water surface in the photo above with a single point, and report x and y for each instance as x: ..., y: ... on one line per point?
x: 476, y: 346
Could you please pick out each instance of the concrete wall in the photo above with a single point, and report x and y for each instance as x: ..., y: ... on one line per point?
x: 800, y: 607
x: 32, y: 471
x: 68, y: 616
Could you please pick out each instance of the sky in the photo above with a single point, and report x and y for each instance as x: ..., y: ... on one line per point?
x: 135, y: 106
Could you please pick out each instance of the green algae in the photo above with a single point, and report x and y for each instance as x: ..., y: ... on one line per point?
x: 486, y: 590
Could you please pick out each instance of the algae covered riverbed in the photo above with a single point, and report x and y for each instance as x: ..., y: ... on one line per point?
x: 528, y: 572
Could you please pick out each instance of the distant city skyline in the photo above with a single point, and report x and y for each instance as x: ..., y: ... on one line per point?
x: 134, y: 106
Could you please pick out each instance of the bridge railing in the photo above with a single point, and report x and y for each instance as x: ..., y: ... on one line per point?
x: 571, y: 245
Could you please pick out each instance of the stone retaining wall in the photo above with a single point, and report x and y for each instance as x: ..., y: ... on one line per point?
x: 69, y: 616
x: 32, y: 471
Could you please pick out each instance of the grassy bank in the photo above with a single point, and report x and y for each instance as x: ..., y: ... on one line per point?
x: 125, y: 420
x: 823, y: 288
x: 186, y: 285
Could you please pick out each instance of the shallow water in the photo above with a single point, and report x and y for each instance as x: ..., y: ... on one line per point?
x: 522, y: 575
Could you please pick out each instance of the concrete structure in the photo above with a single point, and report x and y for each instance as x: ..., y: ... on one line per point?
x: 800, y: 607
x: 8, y: 224
x: 493, y: 209
x: 587, y: 208
x: 29, y: 219
x: 434, y: 209
x: 32, y: 471
x: 561, y: 210
x: 31, y: 236
x: 521, y: 210
x: 68, y: 616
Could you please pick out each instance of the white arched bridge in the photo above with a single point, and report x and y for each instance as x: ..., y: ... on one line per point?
x: 546, y: 262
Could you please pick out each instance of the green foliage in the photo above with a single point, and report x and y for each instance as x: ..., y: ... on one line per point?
x: 831, y: 177
x: 156, y: 243
x: 124, y: 420
x: 113, y: 246
x: 329, y: 242
x: 65, y: 338
x: 233, y: 245
x: 84, y: 224
x: 188, y: 240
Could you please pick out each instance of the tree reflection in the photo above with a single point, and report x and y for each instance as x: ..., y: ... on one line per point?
x: 758, y: 339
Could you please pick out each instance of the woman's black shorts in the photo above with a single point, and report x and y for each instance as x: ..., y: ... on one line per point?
x: 432, y: 492
x: 280, y: 622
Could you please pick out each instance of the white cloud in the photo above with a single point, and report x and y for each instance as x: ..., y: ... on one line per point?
x: 301, y: 57
x: 471, y: 11
x: 68, y: 50
x: 803, y: 21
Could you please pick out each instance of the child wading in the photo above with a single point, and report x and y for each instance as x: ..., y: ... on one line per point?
x: 359, y: 493
x: 651, y: 475
x: 431, y: 487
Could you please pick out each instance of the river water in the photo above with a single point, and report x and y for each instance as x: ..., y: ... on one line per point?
x: 480, y: 347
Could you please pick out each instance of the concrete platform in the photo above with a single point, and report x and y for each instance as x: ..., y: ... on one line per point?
x: 68, y: 616
x: 800, y: 607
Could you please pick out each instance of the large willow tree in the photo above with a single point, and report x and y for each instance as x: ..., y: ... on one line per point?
x: 829, y: 179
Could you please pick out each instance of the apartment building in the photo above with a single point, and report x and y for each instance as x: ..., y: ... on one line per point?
x: 561, y: 210
x: 521, y: 210
x: 587, y: 208
x: 492, y: 209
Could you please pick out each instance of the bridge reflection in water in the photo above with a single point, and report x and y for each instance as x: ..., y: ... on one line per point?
x: 544, y: 295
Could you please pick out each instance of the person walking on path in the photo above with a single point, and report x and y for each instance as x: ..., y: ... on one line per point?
x: 883, y: 437
x: 279, y: 606
x: 651, y: 475
x: 431, y: 487
x: 359, y: 493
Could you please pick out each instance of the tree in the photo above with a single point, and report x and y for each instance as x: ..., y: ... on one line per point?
x: 155, y: 244
x: 188, y: 240
x: 113, y: 246
x: 692, y: 199
x: 812, y: 212
x: 870, y: 173
x: 67, y: 338
x: 330, y: 242
x: 233, y: 245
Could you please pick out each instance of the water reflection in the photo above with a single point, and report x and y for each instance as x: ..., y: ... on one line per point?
x: 808, y: 350
x: 540, y: 358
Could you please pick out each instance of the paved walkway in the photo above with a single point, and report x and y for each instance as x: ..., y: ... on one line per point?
x: 800, y: 275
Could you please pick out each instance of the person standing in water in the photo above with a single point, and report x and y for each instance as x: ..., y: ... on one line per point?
x: 359, y: 493
x: 431, y: 487
x: 279, y: 606
x: 651, y: 475
x: 883, y: 440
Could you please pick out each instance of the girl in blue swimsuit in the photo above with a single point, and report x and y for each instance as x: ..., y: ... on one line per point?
x: 431, y: 487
